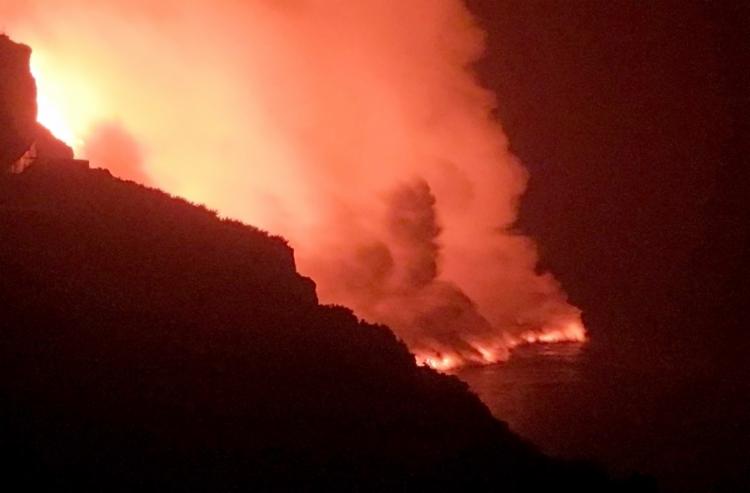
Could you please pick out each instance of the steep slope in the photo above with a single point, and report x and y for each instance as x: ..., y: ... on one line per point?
x: 146, y: 342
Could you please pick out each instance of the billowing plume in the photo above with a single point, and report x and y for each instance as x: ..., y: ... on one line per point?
x: 355, y: 129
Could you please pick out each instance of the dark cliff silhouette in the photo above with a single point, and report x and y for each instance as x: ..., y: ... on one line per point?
x: 18, y: 109
x: 145, y: 342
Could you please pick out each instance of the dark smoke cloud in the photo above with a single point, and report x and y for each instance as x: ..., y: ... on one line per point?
x: 412, y: 224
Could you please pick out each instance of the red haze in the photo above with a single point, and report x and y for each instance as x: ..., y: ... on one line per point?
x: 110, y: 146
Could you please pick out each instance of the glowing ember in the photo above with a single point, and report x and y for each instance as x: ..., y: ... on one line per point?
x: 437, y: 362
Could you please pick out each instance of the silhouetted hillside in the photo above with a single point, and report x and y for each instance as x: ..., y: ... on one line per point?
x: 146, y: 342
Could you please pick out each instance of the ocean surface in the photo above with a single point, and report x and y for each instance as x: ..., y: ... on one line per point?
x: 534, y: 372
x: 691, y: 435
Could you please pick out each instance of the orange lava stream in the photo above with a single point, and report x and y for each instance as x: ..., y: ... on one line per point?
x: 573, y: 332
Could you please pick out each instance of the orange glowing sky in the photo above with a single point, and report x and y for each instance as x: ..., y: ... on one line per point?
x: 56, y: 100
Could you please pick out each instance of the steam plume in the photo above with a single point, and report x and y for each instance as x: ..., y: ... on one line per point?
x: 355, y: 129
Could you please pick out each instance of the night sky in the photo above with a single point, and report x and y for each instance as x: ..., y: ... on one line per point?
x: 631, y: 118
x: 628, y: 116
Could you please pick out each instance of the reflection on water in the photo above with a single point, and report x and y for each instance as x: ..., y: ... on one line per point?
x: 509, y: 388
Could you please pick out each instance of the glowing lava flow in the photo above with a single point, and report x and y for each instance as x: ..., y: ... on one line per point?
x: 572, y: 332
